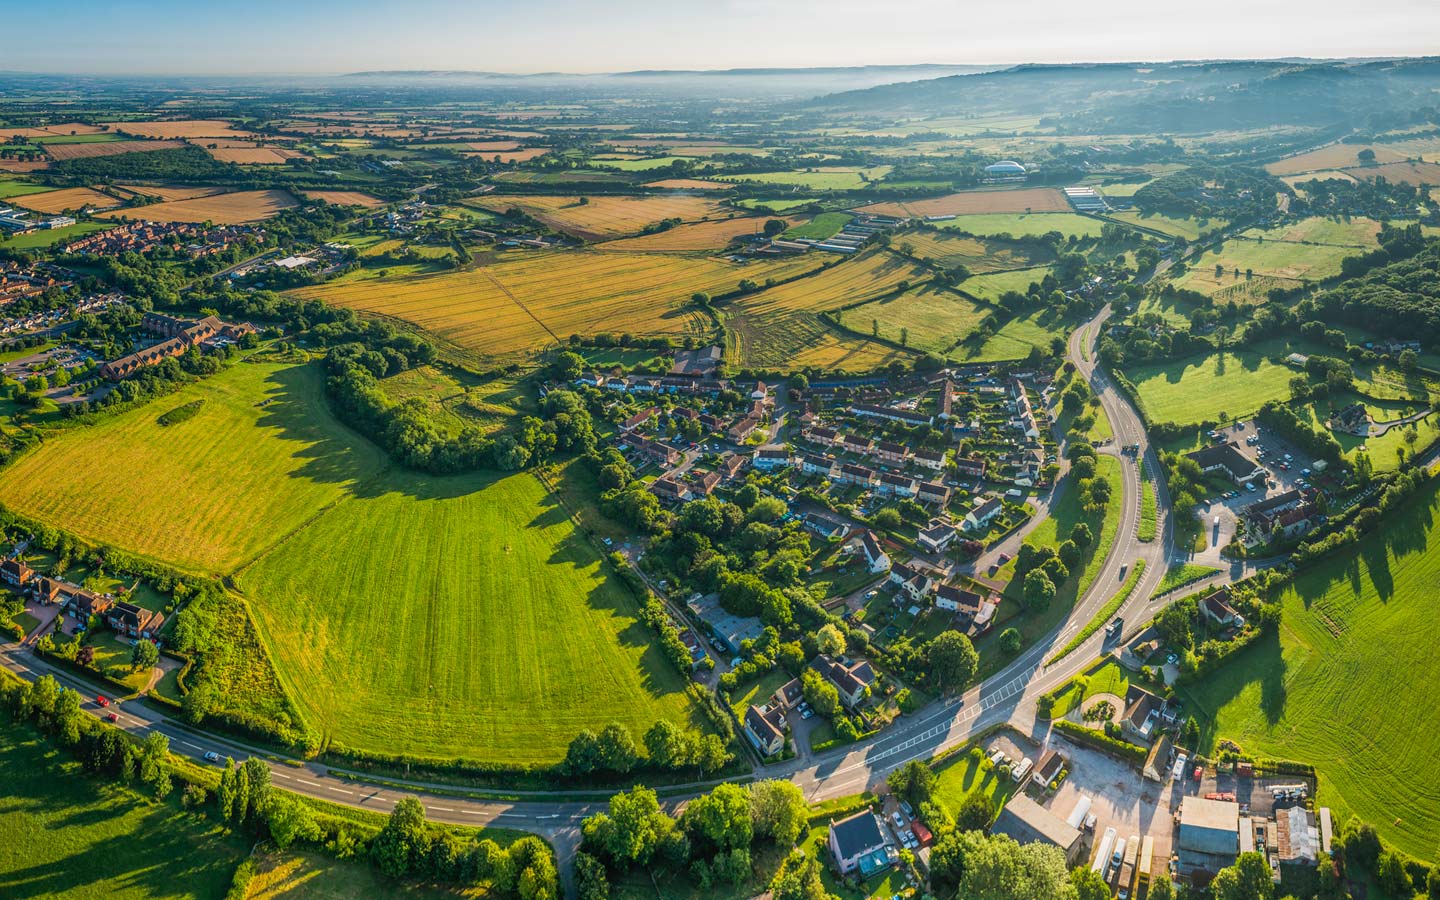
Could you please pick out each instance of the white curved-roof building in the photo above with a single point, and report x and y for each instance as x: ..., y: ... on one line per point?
x: 1005, y: 167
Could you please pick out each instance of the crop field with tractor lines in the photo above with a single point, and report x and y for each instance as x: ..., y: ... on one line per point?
x: 238, y: 208
x: 606, y: 217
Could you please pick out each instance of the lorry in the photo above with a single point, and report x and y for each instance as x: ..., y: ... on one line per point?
x: 1081, y: 810
x: 1142, y: 874
x: 1101, y: 865
x: 1127, y: 869
x: 1117, y: 858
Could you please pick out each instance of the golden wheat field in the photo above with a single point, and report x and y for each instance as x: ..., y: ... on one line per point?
x: 700, y: 236
x: 223, y: 209
x: 183, y: 128
x: 975, y: 202
x: 606, y: 217
x: 528, y: 302
x: 50, y: 130
x: 1335, y: 156
x: 345, y: 198
x: 171, y: 191
x: 689, y: 184
x: 65, y: 199
x: 254, y: 156
x: 108, y: 148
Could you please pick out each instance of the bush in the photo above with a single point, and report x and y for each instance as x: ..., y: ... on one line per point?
x: 1122, y: 750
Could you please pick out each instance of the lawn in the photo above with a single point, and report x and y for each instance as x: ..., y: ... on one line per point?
x: 758, y: 692
x: 44, y: 237
x: 456, y: 617
x: 1198, y: 389
x: 825, y: 225
x: 64, y: 832
x: 260, y: 458
x: 1023, y: 225
x: 1347, y: 684
x: 1188, y: 228
x: 1149, y: 514
x: 9, y: 188
x: 926, y: 318
x: 963, y: 774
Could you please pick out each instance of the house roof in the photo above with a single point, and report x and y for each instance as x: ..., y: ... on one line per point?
x: 1226, y: 456
x: 930, y: 455
x: 1216, y: 603
x: 933, y: 487
x: 1028, y: 822
x: 857, y: 835
x: 772, y: 451
x: 1139, y: 704
x: 985, y: 507
x: 1049, y: 766
x: 871, y: 546
x: 762, y: 724
x: 891, y: 448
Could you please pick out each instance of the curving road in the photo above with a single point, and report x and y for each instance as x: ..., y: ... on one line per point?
x: 1008, y: 696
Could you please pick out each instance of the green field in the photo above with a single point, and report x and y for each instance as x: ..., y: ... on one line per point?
x: 1190, y: 229
x: 825, y: 225
x: 1200, y: 389
x: 260, y: 458
x: 1287, y: 260
x: 1022, y: 225
x: 926, y: 318
x: 1348, y: 684
x: 963, y: 775
x: 48, y: 237
x: 638, y: 165
x: 460, y: 616
x: 68, y: 835
x: 10, y: 188
x: 989, y: 287
x: 776, y: 204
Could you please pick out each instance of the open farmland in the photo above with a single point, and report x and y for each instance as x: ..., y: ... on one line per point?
x: 235, y: 208
x: 989, y: 287
x: 1199, y: 389
x: 461, y: 578
x: 838, y: 178
x: 1349, y: 680
x: 512, y: 156
x: 1022, y: 200
x: 1358, y: 232
x: 973, y: 253
x: 534, y: 300
x: 261, y: 457
x: 1335, y: 156
x: 183, y: 128
x: 107, y: 148
x: 346, y: 198
x: 62, y: 130
x: 606, y: 217
x: 52, y: 202
x: 1189, y: 229
x: 62, y: 829
x: 927, y: 318
x: 254, y: 156
x: 168, y: 192
x: 689, y: 184
x: 700, y: 236
x: 1422, y: 173
x: 1022, y: 225
x: 12, y: 189
x: 1285, y: 261
x: 775, y: 325
x: 837, y: 352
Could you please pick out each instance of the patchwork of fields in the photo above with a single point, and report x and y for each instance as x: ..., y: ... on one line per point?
x: 523, y: 304
x: 607, y: 217
x: 1348, y: 682
x: 1242, y: 260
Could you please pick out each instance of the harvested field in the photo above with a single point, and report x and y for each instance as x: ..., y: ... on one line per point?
x: 66, y: 128
x: 492, y: 146
x: 53, y: 202
x: 108, y: 148
x: 19, y: 166
x: 1298, y: 181
x: 345, y: 198
x: 975, y: 254
x: 1024, y: 200
x: 513, y: 156
x: 532, y: 300
x: 830, y: 178
x: 222, y: 209
x: 776, y: 326
x: 1414, y: 173
x: 184, y: 128
x: 838, y: 352
x: 171, y: 191
x: 1335, y: 156
x: 255, y: 156
x: 606, y: 217
x: 700, y: 236
x: 689, y: 184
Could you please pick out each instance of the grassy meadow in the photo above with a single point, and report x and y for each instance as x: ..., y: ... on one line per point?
x: 978, y: 255
x: 1197, y: 389
x: 927, y: 318
x: 1346, y: 684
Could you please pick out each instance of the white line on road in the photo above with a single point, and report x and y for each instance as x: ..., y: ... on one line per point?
x: 311, y: 783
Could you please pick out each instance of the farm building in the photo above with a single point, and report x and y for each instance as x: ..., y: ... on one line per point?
x: 1208, y: 839
x: 1028, y: 822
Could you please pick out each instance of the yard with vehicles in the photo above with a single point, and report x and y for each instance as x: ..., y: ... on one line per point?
x: 1344, y: 683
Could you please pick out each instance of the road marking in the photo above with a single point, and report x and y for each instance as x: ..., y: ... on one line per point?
x: 311, y: 783
x: 342, y: 791
x: 190, y: 745
x: 440, y: 809
x: 280, y: 775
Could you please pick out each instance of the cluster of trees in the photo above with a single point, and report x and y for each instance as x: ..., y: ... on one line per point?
x: 1043, y: 569
x: 1400, y: 293
x: 712, y: 841
x: 666, y: 747
x: 1281, y: 418
x: 1149, y: 337
x: 1202, y: 191
x: 1378, y: 198
x: 1348, y: 529
x: 408, y: 847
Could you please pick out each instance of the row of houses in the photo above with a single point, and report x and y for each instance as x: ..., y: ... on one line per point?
x: 125, y: 618
x: 889, y: 484
x: 885, y: 451
x: 180, y: 335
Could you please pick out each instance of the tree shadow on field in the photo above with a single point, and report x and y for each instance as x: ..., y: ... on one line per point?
x: 1263, y: 662
x: 294, y: 407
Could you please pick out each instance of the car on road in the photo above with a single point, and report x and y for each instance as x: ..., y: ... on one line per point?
x: 212, y: 757
x: 870, y: 595
x: 101, y: 701
x: 113, y: 717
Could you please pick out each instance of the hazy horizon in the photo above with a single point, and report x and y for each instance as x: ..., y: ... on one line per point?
x: 331, y: 37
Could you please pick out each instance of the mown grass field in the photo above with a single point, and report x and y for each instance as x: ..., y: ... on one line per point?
x: 1285, y: 260
x: 928, y: 318
x: 9, y: 188
x: 261, y: 456
x: 990, y: 286
x: 775, y: 325
x: 826, y: 225
x: 1198, y: 389
x: 975, y: 254
x: 1022, y: 225
x: 68, y: 835
x: 1348, y: 684
x: 49, y: 238
x: 1189, y: 229
x: 1357, y: 232
x: 532, y: 300
x: 606, y: 217
x: 458, y: 616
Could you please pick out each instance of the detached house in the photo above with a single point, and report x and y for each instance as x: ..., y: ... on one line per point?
x: 936, y: 537
x: 1227, y: 459
x: 1216, y: 607
x: 766, y: 729
x: 984, y: 512
x: 875, y: 556
x: 858, y: 844
x: 135, y: 621
x: 915, y: 584
x: 852, y: 682
x: 15, y: 572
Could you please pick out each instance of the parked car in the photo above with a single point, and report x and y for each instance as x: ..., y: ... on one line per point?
x: 899, y: 822
x: 1179, y: 770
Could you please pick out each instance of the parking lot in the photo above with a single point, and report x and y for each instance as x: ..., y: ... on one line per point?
x: 1119, y: 799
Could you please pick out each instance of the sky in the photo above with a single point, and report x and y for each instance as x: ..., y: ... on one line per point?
x: 337, y: 36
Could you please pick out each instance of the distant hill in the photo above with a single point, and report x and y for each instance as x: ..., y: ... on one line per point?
x: 1163, y: 97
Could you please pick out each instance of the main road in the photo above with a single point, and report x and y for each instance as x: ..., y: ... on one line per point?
x: 1007, y: 696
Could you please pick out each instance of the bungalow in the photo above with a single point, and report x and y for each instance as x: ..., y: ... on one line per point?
x: 936, y: 537
x: 826, y: 436
x: 933, y: 460
x: 135, y: 621
x: 15, y: 572
x: 890, y: 452
x: 731, y: 465
x: 1216, y: 607
x: 875, y: 556
x: 817, y: 465
x: 974, y: 466
x: 915, y: 584
x: 766, y: 729
x: 899, y: 485
x: 1227, y: 459
x: 858, y: 844
x: 1141, y: 717
x: 852, y: 682
x: 891, y: 414
x: 770, y: 457
x: 982, y: 514
x: 933, y: 492
x: 853, y: 474
x: 741, y: 430
x: 824, y: 527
